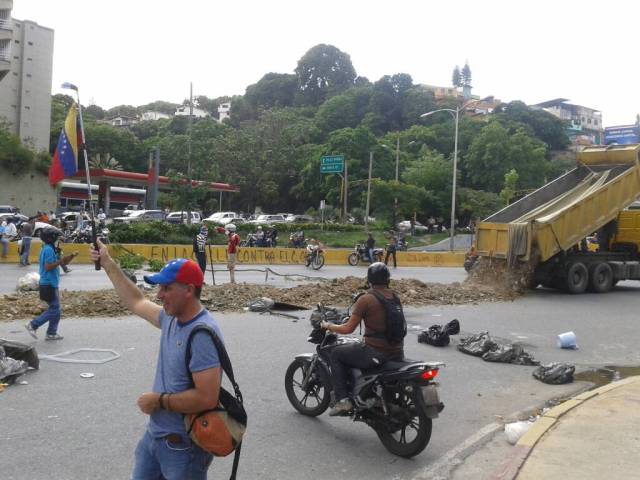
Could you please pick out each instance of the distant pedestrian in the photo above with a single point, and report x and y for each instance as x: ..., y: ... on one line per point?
x: 27, y: 232
x: 200, y: 248
x: 8, y: 235
x: 49, y: 282
x: 371, y: 243
x: 412, y: 222
x: 233, y: 242
x: 391, y: 249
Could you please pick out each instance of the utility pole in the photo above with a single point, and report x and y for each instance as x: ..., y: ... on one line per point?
x: 189, y: 152
x: 346, y: 190
x: 366, y: 215
x: 395, y: 200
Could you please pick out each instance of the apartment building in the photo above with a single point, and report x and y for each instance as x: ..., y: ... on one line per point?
x: 26, y: 63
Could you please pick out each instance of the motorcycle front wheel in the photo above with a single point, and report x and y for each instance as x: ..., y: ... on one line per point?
x: 317, y: 262
x: 353, y: 259
x: 312, y: 400
x: 414, y: 434
x: 307, y: 260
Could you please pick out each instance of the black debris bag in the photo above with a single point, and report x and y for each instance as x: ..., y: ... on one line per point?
x: 437, y: 335
x: 10, y: 368
x: 555, y: 373
x: 509, y: 354
x: 476, y: 345
x: 21, y: 351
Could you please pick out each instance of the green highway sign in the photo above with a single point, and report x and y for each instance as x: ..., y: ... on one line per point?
x: 332, y: 164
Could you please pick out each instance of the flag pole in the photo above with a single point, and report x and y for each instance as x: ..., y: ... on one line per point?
x: 86, y: 169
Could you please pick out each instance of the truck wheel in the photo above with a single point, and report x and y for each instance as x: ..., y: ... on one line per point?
x: 577, y: 278
x: 601, y: 277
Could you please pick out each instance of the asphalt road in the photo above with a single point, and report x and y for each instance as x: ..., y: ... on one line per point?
x: 84, y: 276
x: 65, y: 427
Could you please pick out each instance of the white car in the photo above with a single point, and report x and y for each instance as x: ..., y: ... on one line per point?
x: 141, y: 216
x: 181, y: 217
x: 221, y: 218
x: 405, y: 226
x: 266, y: 219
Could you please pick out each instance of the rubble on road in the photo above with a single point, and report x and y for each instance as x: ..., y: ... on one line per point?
x: 228, y: 297
x: 504, y: 280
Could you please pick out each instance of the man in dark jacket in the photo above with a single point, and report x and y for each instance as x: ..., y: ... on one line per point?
x: 200, y: 248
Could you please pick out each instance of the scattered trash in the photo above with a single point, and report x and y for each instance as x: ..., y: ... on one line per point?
x: 28, y: 282
x: 555, y: 373
x: 3, y: 386
x: 64, y: 356
x: 21, y: 351
x: 87, y: 375
x: 567, y: 340
x: 482, y: 345
x: 509, y: 354
x: 52, y: 416
x: 261, y: 304
x: 514, y: 431
x: 437, y: 335
x: 476, y: 345
x: 10, y: 368
x: 23, y: 382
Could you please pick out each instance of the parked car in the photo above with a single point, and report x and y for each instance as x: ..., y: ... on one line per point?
x: 405, y: 226
x: 181, y: 217
x: 286, y: 215
x: 221, y: 218
x: 18, y: 216
x: 7, y: 209
x: 70, y: 219
x: 299, y: 219
x: 262, y: 219
x: 141, y: 216
x: 236, y: 221
x: 132, y: 207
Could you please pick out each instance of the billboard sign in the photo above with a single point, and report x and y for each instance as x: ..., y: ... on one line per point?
x: 622, y: 135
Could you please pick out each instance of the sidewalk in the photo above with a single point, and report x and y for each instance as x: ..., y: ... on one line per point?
x: 593, y: 435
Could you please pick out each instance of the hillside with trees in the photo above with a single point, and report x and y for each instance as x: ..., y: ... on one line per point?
x: 278, y: 130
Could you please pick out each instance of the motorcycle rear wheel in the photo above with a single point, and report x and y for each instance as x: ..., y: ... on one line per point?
x: 353, y: 259
x: 317, y: 391
x: 318, y: 262
x: 414, y: 436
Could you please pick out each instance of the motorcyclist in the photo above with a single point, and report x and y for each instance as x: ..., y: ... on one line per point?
x: 371, y: 243
x: 260, y: 237
x: 375, y: 350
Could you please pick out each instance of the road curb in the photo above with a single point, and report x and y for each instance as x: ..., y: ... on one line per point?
x: 442, y: 468
x: 510, y: 468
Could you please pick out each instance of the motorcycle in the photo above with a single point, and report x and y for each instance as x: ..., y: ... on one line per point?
x: 398, y: 400
x: 250, y: 241
x: 402, y: 245
x: 297, y: 240
x: 361, y: 254
x: 314, y: 257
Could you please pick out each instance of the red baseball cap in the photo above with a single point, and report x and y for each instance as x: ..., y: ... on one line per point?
x: 181, y: 270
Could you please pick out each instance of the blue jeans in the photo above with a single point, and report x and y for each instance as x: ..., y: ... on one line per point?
x: 26, y: 247
x: 159, y: 459
x: 5, y: 247
x: 371, y: 255
x: 51, y: 315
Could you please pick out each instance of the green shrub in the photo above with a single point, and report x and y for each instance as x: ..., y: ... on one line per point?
x: 155, y: 265
x: 130, y: 261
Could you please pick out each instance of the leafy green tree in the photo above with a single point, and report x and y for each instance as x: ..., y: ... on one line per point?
x: 122, y: 110
x: 120, y: 143
x: 342, y: 111
x: 322, y: 72
x: 93, y: 112
x: 434, y: 174
x: 272, y: 90
x: 476, y: 204
x: 510, y: 185
x: 383, y: 195
x: 158, y: 106
x: 495, y: 151
x: 14, y: 157
x: 466, y: 75
x: 544, y: 125
x: 456, y: 78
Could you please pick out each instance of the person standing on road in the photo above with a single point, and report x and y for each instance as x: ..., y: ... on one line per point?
x: 200, y: 248
x: 371, y: 243
x: 27, y: 232
x: 376, y: 349
x: 391, y: 249
x: 9, y: 234
x: 49, y: 282
x: 233, y: 242
x: 166, y: 450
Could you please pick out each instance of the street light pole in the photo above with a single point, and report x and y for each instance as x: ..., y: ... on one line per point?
x: 456, y: 115
x: 395, y: 200
x: 366, y: 215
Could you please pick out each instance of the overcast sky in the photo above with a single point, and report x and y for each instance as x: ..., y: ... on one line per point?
x: 137, y: 51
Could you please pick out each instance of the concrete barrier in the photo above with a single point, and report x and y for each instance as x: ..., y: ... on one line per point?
x: 247, y: 255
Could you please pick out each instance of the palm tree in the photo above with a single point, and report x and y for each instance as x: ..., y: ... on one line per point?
x: 104, y: 162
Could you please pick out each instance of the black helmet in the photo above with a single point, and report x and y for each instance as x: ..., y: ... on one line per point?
x: 378, y: 274
x: 50, y: 235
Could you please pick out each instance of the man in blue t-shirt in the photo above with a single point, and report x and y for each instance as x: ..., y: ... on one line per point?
x: 49, y: 262
x: 166, y: 451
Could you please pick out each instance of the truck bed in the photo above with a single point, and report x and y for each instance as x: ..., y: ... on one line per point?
x: 561, y: 213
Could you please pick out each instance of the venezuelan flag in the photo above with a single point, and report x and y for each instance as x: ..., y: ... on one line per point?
x: 65, y: 158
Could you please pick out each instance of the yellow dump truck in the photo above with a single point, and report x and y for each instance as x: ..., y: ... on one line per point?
x: 547, y: 228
